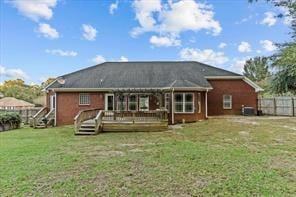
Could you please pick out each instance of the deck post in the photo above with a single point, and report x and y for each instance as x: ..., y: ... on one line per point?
x: 173, y: 107
x: 206, y: 102
x: 293, y: 106
x: 274, y: 106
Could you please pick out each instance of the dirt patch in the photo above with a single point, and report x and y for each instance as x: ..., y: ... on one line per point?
x: 106, y: 153
x: 244, y: 133
x: 289, y: 127
x: 283, y: 164
x: 244, y: 121
x: 129, y: 145
x: 177, y: 126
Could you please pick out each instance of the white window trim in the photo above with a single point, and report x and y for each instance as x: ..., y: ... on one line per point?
x: 167, y: 99
x: 148, y: 103
x: 184, y: 103
x: 137, y: 102
x: 106, y: 101
x: 199, y: 102
x: 124, y: 103
x: 230, y: 101
x: 84, y: 94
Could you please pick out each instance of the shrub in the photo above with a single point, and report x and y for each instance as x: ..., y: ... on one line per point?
x: 11, y: 118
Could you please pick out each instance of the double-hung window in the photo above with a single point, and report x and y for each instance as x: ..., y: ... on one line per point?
x: 184, y: 103
x: 227, y: 102
x: 167, y: 101
x: 121, y: 103
x: 84, y: 99
x: 132, y: 103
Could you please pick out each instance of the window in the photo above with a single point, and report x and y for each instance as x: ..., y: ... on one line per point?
x: 184, y: 103
x: 132, y: 103
x: 121, y: 103
x: 167, y: 101
x: 227, y: 102
x: 84, y: 99
x: 144, y: 103
x: 199, y: 102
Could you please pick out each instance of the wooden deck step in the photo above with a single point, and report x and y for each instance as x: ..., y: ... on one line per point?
x: 139, y: 126
x: 87, y: 129
x: 85, y: 133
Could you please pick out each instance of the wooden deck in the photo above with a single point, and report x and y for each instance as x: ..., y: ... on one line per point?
x: 129, y: 125
x: 95, y: 122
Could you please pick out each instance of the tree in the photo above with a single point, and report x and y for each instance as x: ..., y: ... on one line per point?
x: 284, y: 80
x: 47, y: 82
x: 18, y: 89
x: 256, y: 69
x: 284, y: 62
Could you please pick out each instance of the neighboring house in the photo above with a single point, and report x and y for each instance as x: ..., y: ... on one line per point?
x: 189, y: 91
x: 11, y: 103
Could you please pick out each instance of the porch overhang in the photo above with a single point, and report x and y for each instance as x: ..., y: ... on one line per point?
x: 161, y: 89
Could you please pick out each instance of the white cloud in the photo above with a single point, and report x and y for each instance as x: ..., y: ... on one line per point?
x: 34, y: 9
x: 269, y: 19
x: 174, y: 17
x: 47, y: 31
x: 123, y: 59
x: 238, y: 65
x: 268, y: 45
x: 98, y: 59
x: 189, y: 15
x: 61, y: 52
x: 144, y: 14
x: 244, y: 47
x: 222, y: 45
x: 15, y: 73
x: 287, y: 19
x: 244, y: 20
x: 113, y: 7
x: 205, y: 56
x: 89, y: 32
x: 164, y: 41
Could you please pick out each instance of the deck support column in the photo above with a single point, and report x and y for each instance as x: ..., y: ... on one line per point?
x: 173, y: 107
x: 206, y: 103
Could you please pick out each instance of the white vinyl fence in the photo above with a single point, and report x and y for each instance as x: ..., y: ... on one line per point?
x: 278, y: 106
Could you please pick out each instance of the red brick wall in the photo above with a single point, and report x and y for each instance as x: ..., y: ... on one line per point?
x: 68, y: 105
x: 191, y: 117
x: 242, y: 94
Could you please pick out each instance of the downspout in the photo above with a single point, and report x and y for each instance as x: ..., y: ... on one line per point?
x: 55, y: 109
x: 173, y: 114
x: 206, y: 101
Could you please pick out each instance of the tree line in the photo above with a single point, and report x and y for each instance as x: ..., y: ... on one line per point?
x: 19, y: 89
x: 277, y: 73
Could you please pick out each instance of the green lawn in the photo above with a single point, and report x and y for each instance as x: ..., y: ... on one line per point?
x: 230, y: 156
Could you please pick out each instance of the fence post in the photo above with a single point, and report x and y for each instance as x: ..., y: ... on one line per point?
x: 274, y: 106
x: 293, y: 106
x: 27, y: 116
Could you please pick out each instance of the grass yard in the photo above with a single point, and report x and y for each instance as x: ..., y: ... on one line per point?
x: 228, y: 156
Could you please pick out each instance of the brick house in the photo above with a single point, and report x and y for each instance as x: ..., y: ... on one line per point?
x: 188, y: 91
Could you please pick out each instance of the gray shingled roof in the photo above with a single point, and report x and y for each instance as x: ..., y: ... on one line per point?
x: 142, y: 75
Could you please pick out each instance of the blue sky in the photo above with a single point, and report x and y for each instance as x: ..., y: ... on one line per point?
x: 48, y: 38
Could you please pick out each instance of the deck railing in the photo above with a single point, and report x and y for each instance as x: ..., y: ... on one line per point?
x: 84, y: 115
x: 36, y: 118
x: 136, y: 116
x: 98, y: 121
